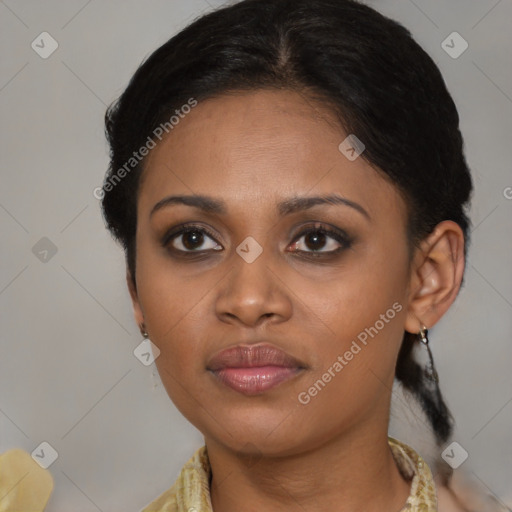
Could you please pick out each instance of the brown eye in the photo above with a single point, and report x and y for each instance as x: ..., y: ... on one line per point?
x: 320, y: 240
x: 191, y: 239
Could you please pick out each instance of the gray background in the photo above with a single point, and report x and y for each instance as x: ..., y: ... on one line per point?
x: 68, y: 375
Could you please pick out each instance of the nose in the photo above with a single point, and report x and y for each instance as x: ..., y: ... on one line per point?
x: 253, y: 293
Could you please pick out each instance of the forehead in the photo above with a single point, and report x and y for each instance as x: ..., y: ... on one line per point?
x: 254, y: 147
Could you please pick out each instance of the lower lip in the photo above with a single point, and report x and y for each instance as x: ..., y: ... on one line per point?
x: 254, y: 381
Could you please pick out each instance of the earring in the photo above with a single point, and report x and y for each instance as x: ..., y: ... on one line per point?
x: 429, y: 371
x: 143, y: 331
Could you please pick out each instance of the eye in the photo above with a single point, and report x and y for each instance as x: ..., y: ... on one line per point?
x: 320, y: 240
x: 316, y: 240
x: 191, y: 238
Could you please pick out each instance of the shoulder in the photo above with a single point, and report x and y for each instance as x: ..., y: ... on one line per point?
x: 446, y: 501
x: 464, y: 494
x: 28, y: 483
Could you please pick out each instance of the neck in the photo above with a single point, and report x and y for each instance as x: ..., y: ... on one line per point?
x: 355, y: 471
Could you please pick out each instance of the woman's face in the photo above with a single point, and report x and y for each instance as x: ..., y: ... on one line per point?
x: 249, y: 275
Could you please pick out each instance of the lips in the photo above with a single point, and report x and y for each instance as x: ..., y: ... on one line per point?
x: 254, y: 369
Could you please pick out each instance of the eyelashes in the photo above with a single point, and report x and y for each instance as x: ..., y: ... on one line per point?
x: 199, y: 233
x: 192, y: 240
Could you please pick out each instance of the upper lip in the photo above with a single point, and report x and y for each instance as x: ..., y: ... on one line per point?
x: 251, y: 356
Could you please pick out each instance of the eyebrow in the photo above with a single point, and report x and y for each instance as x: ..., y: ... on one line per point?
x: 294, y: 204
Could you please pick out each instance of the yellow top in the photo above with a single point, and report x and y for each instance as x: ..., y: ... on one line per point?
x: 191, y: 491
x: 24, y: 485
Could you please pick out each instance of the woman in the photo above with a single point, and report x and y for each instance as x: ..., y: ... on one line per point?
x: 288, y: 182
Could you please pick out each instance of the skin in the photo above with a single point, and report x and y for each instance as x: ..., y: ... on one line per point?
x: 270, y: 452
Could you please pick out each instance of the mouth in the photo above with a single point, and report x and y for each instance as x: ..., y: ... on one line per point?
x: 254, y: 369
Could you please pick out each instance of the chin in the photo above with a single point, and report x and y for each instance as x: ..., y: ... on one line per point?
x: 262, y: 432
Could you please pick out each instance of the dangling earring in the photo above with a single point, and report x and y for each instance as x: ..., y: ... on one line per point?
x: 429, y: 371
x: 155, y: 351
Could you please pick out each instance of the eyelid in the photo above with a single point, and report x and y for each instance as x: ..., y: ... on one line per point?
x: 338, y: 234
x: 182, y: 228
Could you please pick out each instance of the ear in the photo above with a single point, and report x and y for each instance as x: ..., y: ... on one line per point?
x: 137, y: 309
x: 436, y: 276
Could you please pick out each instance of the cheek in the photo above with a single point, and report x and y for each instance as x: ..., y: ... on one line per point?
x: 364, y: 308
x: 176, y: 315
x: 172, y: 306
x: 175, y: 312
x: 363, y: 290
